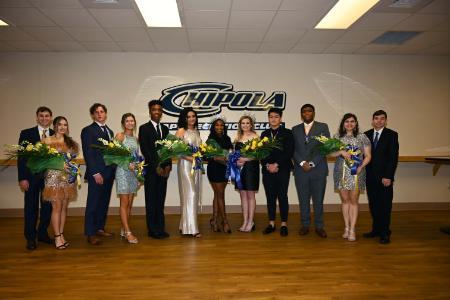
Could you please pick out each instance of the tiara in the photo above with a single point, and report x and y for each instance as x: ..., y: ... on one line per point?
x: 217, y: 117
x: 250, y: 115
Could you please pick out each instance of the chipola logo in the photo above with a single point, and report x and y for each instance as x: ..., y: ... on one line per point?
x: 208, y: 98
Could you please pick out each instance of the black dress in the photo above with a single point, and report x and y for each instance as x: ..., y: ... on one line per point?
x: 249, y: 173
x: 216, y: 170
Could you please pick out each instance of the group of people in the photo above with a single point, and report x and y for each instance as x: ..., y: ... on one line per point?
x: 298, y: 152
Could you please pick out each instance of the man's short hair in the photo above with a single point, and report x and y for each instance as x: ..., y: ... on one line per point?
x: 44, y: 109
x: 154, y: 102
x: 306, y: 106
x: 379, y: 113
x: 95, y: 106
x: 276, y: 110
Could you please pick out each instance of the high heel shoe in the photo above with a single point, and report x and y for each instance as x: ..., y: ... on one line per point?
x: 61, y: 246
x: 346, y: 233
x: 226, y: 227
x: 131, y: 238
x: 66, y: 243
x: 213, y: 224
x: 351, y: 235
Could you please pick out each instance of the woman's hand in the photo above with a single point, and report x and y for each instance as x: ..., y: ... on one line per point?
x: 359, y: 170
x: 132, y: 166
x: 345, y: 154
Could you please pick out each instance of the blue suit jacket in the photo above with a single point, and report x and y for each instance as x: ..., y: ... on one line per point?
x: 31, y: 135
x: 93, y: 157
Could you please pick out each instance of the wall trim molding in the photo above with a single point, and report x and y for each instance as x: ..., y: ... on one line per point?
x: 207, y: 209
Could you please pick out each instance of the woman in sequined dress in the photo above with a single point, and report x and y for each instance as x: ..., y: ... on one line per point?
x: 189, y: 182
x: 126, y: 181
x: 348, y: 185
x: 57, y: 188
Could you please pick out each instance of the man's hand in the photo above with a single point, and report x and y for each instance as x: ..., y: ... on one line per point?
x: 24, y: 185
x: 272, y: 168
x: 386, y: 182
x: 98, y: 179
x: 166, y: 171
x: 306, y: 167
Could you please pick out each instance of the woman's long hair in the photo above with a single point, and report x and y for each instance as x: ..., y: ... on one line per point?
x: 182, y: 118
x: 342, y: 131
x: 71, y: 144
x: 239, y: 131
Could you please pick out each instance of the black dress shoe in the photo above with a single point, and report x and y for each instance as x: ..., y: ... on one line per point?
x: 31, y: 245
x: 283, y: 231
x: 155, y: 235
x: 303, y: 231
x: 370, y: 234
x: 385, y: 239
x: 164, y: 234
x: 46, y: 239
x: 269, y: 229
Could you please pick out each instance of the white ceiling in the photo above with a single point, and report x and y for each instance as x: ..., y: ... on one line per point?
x: 254, y: 26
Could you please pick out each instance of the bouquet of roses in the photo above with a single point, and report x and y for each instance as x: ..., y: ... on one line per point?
x: 41, y: 157
x: 172, y: 147
x: 258, y: 148
x: 330, y: 145
x: 212, y: 149
x: 114, y: 153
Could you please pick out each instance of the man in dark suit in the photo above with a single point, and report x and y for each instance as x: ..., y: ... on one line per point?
x: 156, y: 177
x: 310, y: 169
x: 100, y: 177
x: 32, y: 184
x: 276, y: 170
x: 380, y: 174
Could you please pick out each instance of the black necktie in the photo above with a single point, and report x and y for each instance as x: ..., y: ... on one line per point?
x: 375, y: 140
x: 158, y: 131
x: 105, y: 131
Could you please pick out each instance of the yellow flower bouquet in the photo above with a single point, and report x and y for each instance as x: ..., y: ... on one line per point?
x: 258, y: 148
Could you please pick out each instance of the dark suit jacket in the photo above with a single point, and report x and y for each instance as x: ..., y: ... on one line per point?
x: 309, y: 151
x: 384, y: 157
x: 283, y: 156
x: 93, y: 157
x: 147, y: 139
x: 31, y: 135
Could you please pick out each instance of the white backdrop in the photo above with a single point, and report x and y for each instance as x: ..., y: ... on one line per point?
x: 414, y: 90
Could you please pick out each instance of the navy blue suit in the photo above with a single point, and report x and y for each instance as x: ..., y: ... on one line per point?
x: 98, y: 195
x: 33, y: 195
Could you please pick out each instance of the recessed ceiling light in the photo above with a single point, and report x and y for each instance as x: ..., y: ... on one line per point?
x: 3, y: 23
x: 159, y: 13
x: 344, y: 13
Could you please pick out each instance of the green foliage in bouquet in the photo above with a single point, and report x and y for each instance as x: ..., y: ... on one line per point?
x: 40, y: 156
x: 114, y: 153
x: 212, y: 149
x: 172, y: 147
x: 329, y: 145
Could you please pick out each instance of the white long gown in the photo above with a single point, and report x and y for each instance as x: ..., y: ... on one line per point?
x: 190, y: 186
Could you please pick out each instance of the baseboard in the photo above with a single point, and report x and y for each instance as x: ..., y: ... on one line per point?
x: 411, y: 206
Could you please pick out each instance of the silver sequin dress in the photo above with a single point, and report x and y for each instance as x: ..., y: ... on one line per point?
x: 190, y: 186
x: 343, y: 180
x: 126, y: 181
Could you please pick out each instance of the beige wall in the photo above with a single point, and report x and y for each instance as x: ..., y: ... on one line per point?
x: 414, y: 90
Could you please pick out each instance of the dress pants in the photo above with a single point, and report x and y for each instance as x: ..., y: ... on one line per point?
x: 32, y: 198
x: 311, y: 187
x: 380, y: 204
x: 155, y: 196
x: 98, y: 203
x: 276, y: 187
